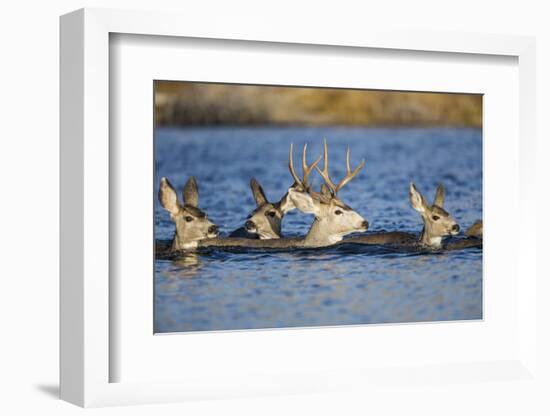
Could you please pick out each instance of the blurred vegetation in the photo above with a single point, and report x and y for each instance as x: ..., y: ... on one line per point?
x: 196, y: 104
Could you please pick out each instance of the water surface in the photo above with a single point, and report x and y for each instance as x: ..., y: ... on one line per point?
x: 243, y: 289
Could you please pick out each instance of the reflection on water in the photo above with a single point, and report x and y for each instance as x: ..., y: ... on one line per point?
x: 349, y: 284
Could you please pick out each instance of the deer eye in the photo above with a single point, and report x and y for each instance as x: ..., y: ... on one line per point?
x: 435, y: 217
x: 338, y: 212
x: 188, y: 218
x: 270, y: 213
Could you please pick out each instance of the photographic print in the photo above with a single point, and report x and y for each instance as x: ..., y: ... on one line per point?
x: 283, y: 206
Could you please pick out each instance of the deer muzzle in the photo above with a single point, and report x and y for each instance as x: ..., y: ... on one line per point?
x: 213, y: 231
x: 249, y: 225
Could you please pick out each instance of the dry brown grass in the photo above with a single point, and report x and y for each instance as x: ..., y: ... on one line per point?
x: 188, y: 104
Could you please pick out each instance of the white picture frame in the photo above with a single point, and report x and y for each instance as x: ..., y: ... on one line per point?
x: 87, y: 331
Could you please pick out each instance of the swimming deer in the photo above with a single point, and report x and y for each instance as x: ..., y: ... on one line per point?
x: 265, y: 221
x: 475, y: 230
x: 192, y: 224
x: 333, y: 218
x: 438, y: 224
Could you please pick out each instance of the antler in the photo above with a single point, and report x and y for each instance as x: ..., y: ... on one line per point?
x: 306, y: 170
x: 349, y: 174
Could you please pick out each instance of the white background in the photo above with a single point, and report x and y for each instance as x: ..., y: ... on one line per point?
x: 29, y: 209
x: 137, y: 61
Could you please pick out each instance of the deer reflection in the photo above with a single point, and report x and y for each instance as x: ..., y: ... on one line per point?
x: 185, y: 264
x: 189, y: 262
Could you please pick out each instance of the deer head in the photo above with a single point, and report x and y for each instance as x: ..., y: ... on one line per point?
x: 333, y: 218
x: 265, y: 220
x: 475, y: 230
x: 192, y: 224
x: 437, y: 222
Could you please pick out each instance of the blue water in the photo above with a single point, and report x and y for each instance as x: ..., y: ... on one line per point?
x: 242, y: 289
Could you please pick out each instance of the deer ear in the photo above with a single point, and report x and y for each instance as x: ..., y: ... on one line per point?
x: 304, y: 202
x: 258, y: 193
x: 439, y: 199
x: 191, y: 193
x: 417, y: 200
x: 286, y: 204
x: 168, y: 197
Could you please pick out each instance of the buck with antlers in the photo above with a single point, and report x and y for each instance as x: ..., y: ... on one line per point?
x: 333, y: 218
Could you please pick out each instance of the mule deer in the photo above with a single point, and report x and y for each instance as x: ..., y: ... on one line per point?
x: 475, y: 230
x: 265, y: 221
x: 192, y: 224
x: 438, y: 224
x: 333, y: 218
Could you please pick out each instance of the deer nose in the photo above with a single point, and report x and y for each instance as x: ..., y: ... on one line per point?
x: 213, y: 229
x: 249, y: 225
x: 456, y: 228
x: 365, y: 224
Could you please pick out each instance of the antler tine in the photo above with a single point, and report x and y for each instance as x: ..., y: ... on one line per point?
x: 324, y: 172
x: 349, y: 174
x: 305, y: 169
x: 291, y: 168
